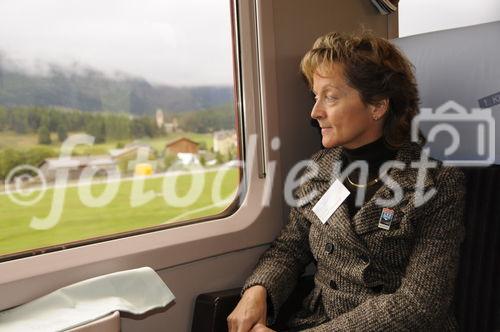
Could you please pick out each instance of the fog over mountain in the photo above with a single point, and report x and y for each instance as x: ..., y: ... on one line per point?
x: 87, y: 89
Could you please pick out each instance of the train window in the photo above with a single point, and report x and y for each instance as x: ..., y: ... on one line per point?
x: 420, y: 16
x: 116, y: 117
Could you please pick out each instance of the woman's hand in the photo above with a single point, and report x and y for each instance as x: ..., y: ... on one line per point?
x: 261, y: 328
x: 250, y: 312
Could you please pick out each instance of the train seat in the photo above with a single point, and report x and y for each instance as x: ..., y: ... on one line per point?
x: 461, y: 66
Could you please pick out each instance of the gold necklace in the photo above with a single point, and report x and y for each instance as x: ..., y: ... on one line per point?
x: 370, y: 183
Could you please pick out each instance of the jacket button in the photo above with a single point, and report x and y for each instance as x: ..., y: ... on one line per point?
x: 329, y: 248
x: 364, y: 259
x: 377, y: 288
x: 333, y: 284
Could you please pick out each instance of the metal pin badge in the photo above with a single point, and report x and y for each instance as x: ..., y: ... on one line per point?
x: 386, y: 218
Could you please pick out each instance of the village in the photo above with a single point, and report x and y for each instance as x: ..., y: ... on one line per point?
x: 142, y: 159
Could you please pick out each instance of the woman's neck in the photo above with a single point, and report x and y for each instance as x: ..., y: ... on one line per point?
x: 374, y: 153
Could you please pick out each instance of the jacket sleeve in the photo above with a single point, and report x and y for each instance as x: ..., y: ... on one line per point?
x: 427, y: 287
x: 279, y: 268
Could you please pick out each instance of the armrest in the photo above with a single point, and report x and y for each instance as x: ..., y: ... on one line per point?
x: 211, y: 309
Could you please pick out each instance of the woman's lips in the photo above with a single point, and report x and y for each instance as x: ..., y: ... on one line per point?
x: 326, y: 130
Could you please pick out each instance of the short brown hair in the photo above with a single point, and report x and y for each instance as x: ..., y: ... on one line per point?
x: 377, y: 70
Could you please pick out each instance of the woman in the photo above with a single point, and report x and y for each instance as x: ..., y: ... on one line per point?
x: 386, y: 258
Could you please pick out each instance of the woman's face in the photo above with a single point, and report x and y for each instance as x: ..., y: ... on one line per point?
x: 344, y: 119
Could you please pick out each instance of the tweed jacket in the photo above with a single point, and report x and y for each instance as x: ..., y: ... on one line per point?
x: 368, y: 278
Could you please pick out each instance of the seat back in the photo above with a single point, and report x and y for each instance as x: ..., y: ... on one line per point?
x: 461, y: 65
x: 477, y: 294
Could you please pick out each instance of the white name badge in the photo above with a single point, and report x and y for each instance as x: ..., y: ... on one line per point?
x: 330, y: 201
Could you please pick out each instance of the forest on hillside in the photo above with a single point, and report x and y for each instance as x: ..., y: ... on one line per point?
x: 107, y: 126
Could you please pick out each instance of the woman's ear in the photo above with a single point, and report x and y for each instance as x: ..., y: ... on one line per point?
x: 380, y: 108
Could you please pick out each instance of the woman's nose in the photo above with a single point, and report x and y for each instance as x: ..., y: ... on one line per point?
x: 317, y: 111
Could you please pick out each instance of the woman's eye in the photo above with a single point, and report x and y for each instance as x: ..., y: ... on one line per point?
x: 326, y: 98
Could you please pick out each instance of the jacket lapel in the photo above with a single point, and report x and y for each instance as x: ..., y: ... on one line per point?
x: 339, y: 223
x: 367, y: 218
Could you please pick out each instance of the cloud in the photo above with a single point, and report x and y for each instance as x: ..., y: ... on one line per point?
x: 184, y: 42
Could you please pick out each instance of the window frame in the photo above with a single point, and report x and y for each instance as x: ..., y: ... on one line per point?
x: 251, y: 225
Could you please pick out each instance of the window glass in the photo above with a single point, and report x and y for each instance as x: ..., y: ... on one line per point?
x: 115, y: 116
x: 420, y: 16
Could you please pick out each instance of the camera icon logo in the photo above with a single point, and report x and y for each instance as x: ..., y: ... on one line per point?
x: 467, y: 138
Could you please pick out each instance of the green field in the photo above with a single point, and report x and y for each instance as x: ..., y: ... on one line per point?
x: 10, y: 139
x: 80, y: 222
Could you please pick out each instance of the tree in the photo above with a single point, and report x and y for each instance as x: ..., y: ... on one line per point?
x: 44, y: 136
x: 100, y: 137
x: 169, y: 160
x: 207, y: 121
x: 143, y: 126
x: 36, y: 155
x: 203, y: 160
x: 20, y: 121
x: 3, y: 118
x: 34, y: 119
x: 62, y: 132
x: 117, y: 127
x: 53, y: 118
x: 230, y: 155
x: 96, y: 127
x: 9, y: 159
x: 219, y: 157
x: 136, y: 128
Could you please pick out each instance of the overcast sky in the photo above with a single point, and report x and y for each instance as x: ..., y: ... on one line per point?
x: 178, y: 42
x: 184, y: 42
x: 419, y: 16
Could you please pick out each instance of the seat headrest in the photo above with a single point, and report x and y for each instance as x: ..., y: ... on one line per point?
x: 463, y: 66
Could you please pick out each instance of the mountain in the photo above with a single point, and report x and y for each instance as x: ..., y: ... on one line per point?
x: 90, y: 90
